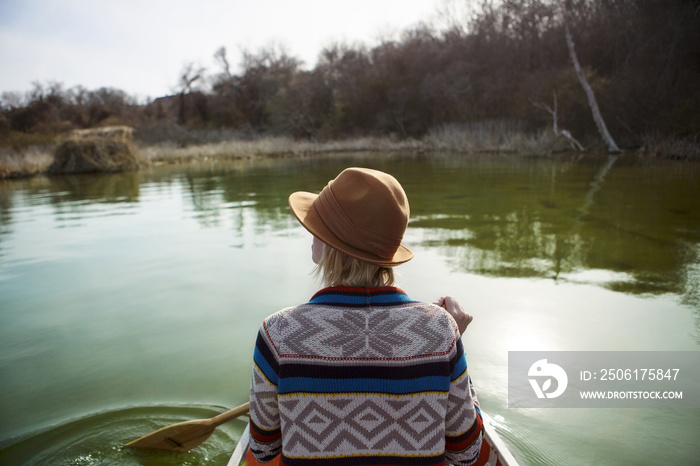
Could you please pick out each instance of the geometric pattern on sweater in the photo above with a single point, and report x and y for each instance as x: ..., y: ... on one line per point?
x: 362, y: 376
x: 461, y: 394
x: 337, y: 426
x: 360, y: 334
x: 361, y: 328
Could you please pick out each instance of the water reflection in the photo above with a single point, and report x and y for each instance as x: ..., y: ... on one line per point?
x: 148, y: 288
x: 636, y: 224
x: 100, y: 188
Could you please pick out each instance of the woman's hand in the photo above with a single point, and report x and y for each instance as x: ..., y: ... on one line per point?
x: 450, y: 304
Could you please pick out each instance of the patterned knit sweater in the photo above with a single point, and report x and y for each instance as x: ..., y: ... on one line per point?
x: 362, y: 376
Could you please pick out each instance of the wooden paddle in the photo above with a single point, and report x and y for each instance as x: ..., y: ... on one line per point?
x: 184, y: 436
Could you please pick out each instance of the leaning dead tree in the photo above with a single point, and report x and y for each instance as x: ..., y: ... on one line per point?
x: 592, y: 102
x: 555, y: 125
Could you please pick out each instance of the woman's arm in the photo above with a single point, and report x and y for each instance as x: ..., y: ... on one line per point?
x: 463, y: 423
x: 265, y: 433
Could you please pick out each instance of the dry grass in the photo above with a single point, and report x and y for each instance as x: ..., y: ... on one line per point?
x: 490, y: 136
x: 273, y: 147
x: 673, y: 147
x: 108, y: 149
x: 31, y: 161
x: 487, y: 136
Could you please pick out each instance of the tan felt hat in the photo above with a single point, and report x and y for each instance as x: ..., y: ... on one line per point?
x: 362, y: 212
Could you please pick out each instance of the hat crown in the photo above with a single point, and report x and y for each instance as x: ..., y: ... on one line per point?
x: 367, y: 209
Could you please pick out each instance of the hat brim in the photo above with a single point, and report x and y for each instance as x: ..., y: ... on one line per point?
x: 302, y: 206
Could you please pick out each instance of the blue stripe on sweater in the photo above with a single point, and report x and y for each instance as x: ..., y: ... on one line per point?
x: 361, y: 300
x: 379, y: 296
x: 459, y: 368
x: 388, y: 386
x: 266, y: 369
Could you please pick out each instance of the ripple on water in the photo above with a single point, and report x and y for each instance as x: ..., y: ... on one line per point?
x: 99, y: 440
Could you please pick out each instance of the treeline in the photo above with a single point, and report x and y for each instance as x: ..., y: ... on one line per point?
x: 506, y: 63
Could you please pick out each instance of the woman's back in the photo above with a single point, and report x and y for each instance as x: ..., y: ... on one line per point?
x: 362, y: 374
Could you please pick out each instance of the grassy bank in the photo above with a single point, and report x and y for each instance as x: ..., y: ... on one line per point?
x: 33, y: 160
x: 482, y: 137
x: 272, y: 147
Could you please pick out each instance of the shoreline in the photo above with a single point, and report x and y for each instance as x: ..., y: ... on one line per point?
x: 34, y: 160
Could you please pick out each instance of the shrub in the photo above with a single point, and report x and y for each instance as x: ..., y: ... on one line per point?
x: 109, y: 149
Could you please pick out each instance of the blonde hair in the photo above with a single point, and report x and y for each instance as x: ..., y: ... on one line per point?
x: 338, y: 269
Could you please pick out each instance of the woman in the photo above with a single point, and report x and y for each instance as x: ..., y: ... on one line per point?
x: 362, y: 374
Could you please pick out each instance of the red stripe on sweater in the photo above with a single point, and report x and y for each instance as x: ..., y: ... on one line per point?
x: 459, y: 444
x: 264, y: 436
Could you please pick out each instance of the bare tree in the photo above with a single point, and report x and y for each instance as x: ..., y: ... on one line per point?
x: 454, y: 15
x: 592, y: 102
x: 188, y: 77
x: 555, y: 124
x: 222, y: 60
x: 11, y: 100
x: 265, y: 74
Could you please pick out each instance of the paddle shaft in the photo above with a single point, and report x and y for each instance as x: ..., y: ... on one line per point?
x: 229, y: 415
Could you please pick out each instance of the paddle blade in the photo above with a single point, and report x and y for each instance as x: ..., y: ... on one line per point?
x: 177, y: 437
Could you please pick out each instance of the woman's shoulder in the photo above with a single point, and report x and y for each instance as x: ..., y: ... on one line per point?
x: 431, y: 315
x: 286, y: 315
x: 414, y: 310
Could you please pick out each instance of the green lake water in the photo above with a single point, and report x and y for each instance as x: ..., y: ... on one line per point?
x: 131, y: 301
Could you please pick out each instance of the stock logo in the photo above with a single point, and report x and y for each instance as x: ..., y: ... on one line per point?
x: 546, y: 371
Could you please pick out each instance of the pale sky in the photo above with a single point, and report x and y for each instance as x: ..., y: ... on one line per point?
x: 140, y: 46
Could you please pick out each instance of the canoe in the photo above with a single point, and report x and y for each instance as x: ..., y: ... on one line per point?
x: 494, y: 451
